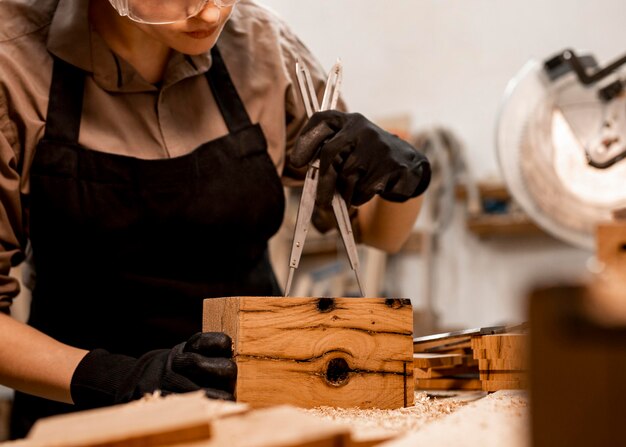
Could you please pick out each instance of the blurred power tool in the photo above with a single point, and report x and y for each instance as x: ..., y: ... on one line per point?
x: 561, y: 143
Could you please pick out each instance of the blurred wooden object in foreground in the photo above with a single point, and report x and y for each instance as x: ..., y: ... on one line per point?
x: 578, y: 364
x: 578, y: 351
x: 186, y: 420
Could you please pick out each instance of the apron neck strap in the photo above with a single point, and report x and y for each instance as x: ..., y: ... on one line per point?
x: 225, y: 94
x: 66, y: 94
x: 68, y: 85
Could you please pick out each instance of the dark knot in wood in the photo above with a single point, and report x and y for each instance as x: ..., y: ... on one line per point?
x: 337, y: 372
x: 325, y: 304
x: 394, y: 303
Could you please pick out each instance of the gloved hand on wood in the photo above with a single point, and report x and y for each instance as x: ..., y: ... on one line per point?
x: 359, y: 159
x: 203, y: 362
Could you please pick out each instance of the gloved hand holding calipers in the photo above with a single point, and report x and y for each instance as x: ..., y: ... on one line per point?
x: 311, y: 182
x: 350, y: 160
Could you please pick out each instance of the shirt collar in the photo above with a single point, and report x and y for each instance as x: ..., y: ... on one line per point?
x: 72, y: 39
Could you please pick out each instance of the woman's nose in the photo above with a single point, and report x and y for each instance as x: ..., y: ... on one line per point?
x: 210, y: 13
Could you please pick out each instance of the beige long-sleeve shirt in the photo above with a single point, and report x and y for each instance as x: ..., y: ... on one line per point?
x: 123, y: 113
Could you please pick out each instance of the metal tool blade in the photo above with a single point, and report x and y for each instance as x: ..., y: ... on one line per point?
x: 307, y: 89
x: 303, y: 221
x: 489, y: 330
x: 333, y: 87
x: 347, y: 236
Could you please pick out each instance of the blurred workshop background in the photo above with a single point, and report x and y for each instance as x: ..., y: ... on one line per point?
x: 445, y: 64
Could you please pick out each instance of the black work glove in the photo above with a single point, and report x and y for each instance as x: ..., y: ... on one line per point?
x: 203, y: 362
x: 359, y: 159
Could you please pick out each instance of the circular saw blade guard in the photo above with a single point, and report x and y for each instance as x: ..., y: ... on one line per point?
x: 548, y: 132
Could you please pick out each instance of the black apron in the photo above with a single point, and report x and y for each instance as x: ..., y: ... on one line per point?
x: 126, y: 249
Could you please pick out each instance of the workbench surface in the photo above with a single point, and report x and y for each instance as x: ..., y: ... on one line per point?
x: 438, y: 418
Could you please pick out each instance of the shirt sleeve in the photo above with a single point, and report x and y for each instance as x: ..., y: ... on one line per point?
x: 11, y: 219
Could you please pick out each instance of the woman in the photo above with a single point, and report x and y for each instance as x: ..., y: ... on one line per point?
x: 136, y: 137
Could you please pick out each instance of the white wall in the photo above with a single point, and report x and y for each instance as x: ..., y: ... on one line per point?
x: 448, y: 62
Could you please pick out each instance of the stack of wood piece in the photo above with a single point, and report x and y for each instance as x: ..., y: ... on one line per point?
x: 502, y: 361
x: 445, y: 365
x: 488, y: 359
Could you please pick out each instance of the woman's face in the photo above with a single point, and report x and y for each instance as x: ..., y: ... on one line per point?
x: 195, y: 35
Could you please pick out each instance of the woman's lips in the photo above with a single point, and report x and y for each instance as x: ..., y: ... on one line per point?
x: 200, y: 34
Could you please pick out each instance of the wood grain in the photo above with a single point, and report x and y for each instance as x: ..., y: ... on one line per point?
x: 437, y: 373
x: 504, y: 375
x: 318, y: 351
x: 448, y: 384
x: 424, y: 360
x: 279, y: 426
x: 511, y: 363
x: 451, y: 343
x: 178, y: 418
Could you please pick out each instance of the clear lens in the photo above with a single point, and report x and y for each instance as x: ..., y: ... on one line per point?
x: 164, y: 11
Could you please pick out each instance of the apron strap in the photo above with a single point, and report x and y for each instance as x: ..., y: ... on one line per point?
x: 66, y: 94
x: 68, y: 84
x: 225, y: 94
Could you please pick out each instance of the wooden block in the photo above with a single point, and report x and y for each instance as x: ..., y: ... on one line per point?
x: 480, y: 354
x: 279, y: 426
x: 308, y: 352
x: 448, y: 384
x: 503, y: 375
x: 447, y: 344
x: 451, y: 346
x: 425, y: 360
x: 477, y: 343
x: 437, y: 373
x: 156, y: 421
x: 504, y: 346
x: 505, y: 342
x: 510, y: 364
x: 484, y: 354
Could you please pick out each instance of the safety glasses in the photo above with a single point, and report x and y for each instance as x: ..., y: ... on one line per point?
x: 162, y: 12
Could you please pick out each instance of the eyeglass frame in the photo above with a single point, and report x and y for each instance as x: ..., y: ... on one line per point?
x: 122, y: 8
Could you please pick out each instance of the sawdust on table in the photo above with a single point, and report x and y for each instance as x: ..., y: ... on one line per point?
x: 366, y: 422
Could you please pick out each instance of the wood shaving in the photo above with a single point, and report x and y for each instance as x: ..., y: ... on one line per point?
x: 500, y: 419
x: 372, y: 422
